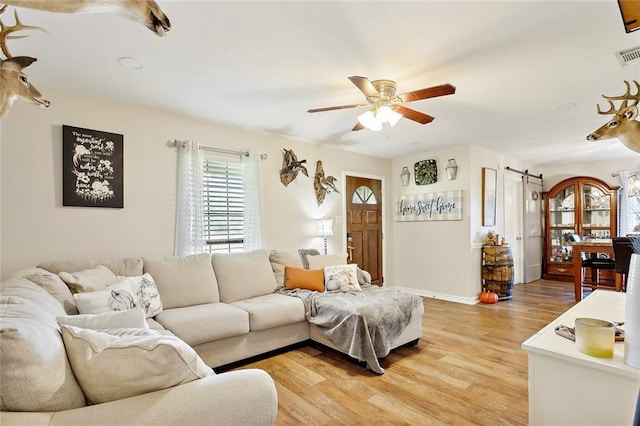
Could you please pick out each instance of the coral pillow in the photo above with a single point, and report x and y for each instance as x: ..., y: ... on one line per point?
x: 308, y: 279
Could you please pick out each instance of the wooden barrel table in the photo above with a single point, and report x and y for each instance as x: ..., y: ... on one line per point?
x: 497, y: 270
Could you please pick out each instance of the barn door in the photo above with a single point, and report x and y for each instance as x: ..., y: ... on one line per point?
x: 364, y: 225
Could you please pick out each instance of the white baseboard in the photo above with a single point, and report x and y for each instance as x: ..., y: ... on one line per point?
x: 442, y: 296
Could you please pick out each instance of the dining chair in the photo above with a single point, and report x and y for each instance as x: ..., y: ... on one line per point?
x: 622, y: 251
x: 594, y: 264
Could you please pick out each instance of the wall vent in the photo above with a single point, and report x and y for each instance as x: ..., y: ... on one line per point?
x: 629, y: 56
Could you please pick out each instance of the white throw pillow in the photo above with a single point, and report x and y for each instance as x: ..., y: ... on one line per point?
x: 320, y: 261
x: 116, y: 364
x: 116, y: 297
x: 146, y: 294
x: 94, y: 279
x: 133, y: 318
x: 341, y: 277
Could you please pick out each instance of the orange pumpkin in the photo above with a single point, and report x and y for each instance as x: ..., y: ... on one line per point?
x: 488, y: 297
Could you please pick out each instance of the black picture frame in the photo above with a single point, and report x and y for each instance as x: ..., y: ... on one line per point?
x: 92, y: 168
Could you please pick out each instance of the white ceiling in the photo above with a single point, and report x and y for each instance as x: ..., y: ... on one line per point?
x: 528, y: 74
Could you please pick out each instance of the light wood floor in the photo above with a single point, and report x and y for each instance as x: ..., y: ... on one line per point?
x: 468, y: 368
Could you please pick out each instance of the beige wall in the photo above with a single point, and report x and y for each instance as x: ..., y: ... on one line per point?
x: 443, y: 259
x: 437, y: 259
x: 34, y: 227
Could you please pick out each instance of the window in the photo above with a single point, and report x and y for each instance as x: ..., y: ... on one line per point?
x: 364, y: 195
x: 630, y: 218
x: 223, y: 204
x: 629, y: 203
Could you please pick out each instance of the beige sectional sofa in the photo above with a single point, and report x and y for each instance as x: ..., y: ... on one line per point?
x: 223, y: 306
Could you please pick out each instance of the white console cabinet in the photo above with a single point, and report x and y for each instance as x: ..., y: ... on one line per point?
x: 567, y: 387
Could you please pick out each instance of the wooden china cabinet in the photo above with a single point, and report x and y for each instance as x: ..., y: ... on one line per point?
x: 582, y: 206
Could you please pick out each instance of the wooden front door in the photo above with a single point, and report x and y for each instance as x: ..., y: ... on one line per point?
x: 364, y: 225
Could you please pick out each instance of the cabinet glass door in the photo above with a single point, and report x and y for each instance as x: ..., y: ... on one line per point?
x: 562, y: 220
x: 596, y: 212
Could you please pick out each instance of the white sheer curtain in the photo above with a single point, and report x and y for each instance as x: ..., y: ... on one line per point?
x: 189, y: 211
x: 252, y: 202
x: 629, y: 207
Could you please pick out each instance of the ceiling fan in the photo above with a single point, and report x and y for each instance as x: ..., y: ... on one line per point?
x: 386, y: 106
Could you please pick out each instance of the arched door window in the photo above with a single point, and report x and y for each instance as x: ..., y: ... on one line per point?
x: 364, y: 195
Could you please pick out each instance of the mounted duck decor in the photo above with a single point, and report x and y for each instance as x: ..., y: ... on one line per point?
x: 623, y: 125
x: 291, y: 166
x: 323, y: 184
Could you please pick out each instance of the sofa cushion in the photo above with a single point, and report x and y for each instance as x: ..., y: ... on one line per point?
x: 205, y: 323
x: 184, y: 280
x: 35, y: 374
x: 279, y: 259
x: 133, y: 318
x: 146, y: 294
x: 341, y: 277
x: 53, y: 284
x: 127, y: 266
x: 309, y: 279
x: 117, y: 364
x: 243, y: 275
x: 320, y: 261
x: 272, y: 310
x: 87, y: 280
x: 116, y: 297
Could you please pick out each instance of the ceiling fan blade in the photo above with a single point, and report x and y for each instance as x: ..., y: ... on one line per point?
x: 337, y: 107
x: 365, y: 86
x: 431, y: 92
x: 412, y: 114
x: 357, y: 127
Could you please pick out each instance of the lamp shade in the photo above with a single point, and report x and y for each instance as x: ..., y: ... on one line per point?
x: 387, y: 115
x: 325, y: 227
x: 370, y: 121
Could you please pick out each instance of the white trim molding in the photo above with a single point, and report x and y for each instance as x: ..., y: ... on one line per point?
x: 441, y: 296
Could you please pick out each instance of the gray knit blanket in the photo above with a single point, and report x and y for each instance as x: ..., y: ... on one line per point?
x: 361, y: 323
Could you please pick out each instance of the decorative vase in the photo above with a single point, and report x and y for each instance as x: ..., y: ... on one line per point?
x: 632, y: 314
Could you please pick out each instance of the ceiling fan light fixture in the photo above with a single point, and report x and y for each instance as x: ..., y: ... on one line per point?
x: 387, y: 115
x: 370, y: 121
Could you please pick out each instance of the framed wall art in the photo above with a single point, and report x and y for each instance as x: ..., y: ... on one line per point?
x: 489, y: 182
x: 92, y: 168
x: 425, y: 172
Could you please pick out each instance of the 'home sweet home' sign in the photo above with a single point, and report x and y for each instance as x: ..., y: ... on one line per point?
x: 431, y: 206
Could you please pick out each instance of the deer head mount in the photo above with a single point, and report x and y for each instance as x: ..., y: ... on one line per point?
x: 145, y: 12
x: 13, y: 82
x: 623, y: 125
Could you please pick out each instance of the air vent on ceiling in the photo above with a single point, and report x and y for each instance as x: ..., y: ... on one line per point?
x: 629, y: 56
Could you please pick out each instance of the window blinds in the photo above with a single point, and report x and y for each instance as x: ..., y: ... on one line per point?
x: 223, y: 204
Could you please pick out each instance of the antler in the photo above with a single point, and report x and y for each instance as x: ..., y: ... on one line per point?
x: 6, y: 31
x: 628, y: 96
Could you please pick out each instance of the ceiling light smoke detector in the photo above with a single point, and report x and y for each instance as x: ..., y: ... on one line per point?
x: 132, y: 63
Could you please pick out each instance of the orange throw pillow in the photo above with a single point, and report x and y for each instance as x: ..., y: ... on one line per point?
x: 309, y: 279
